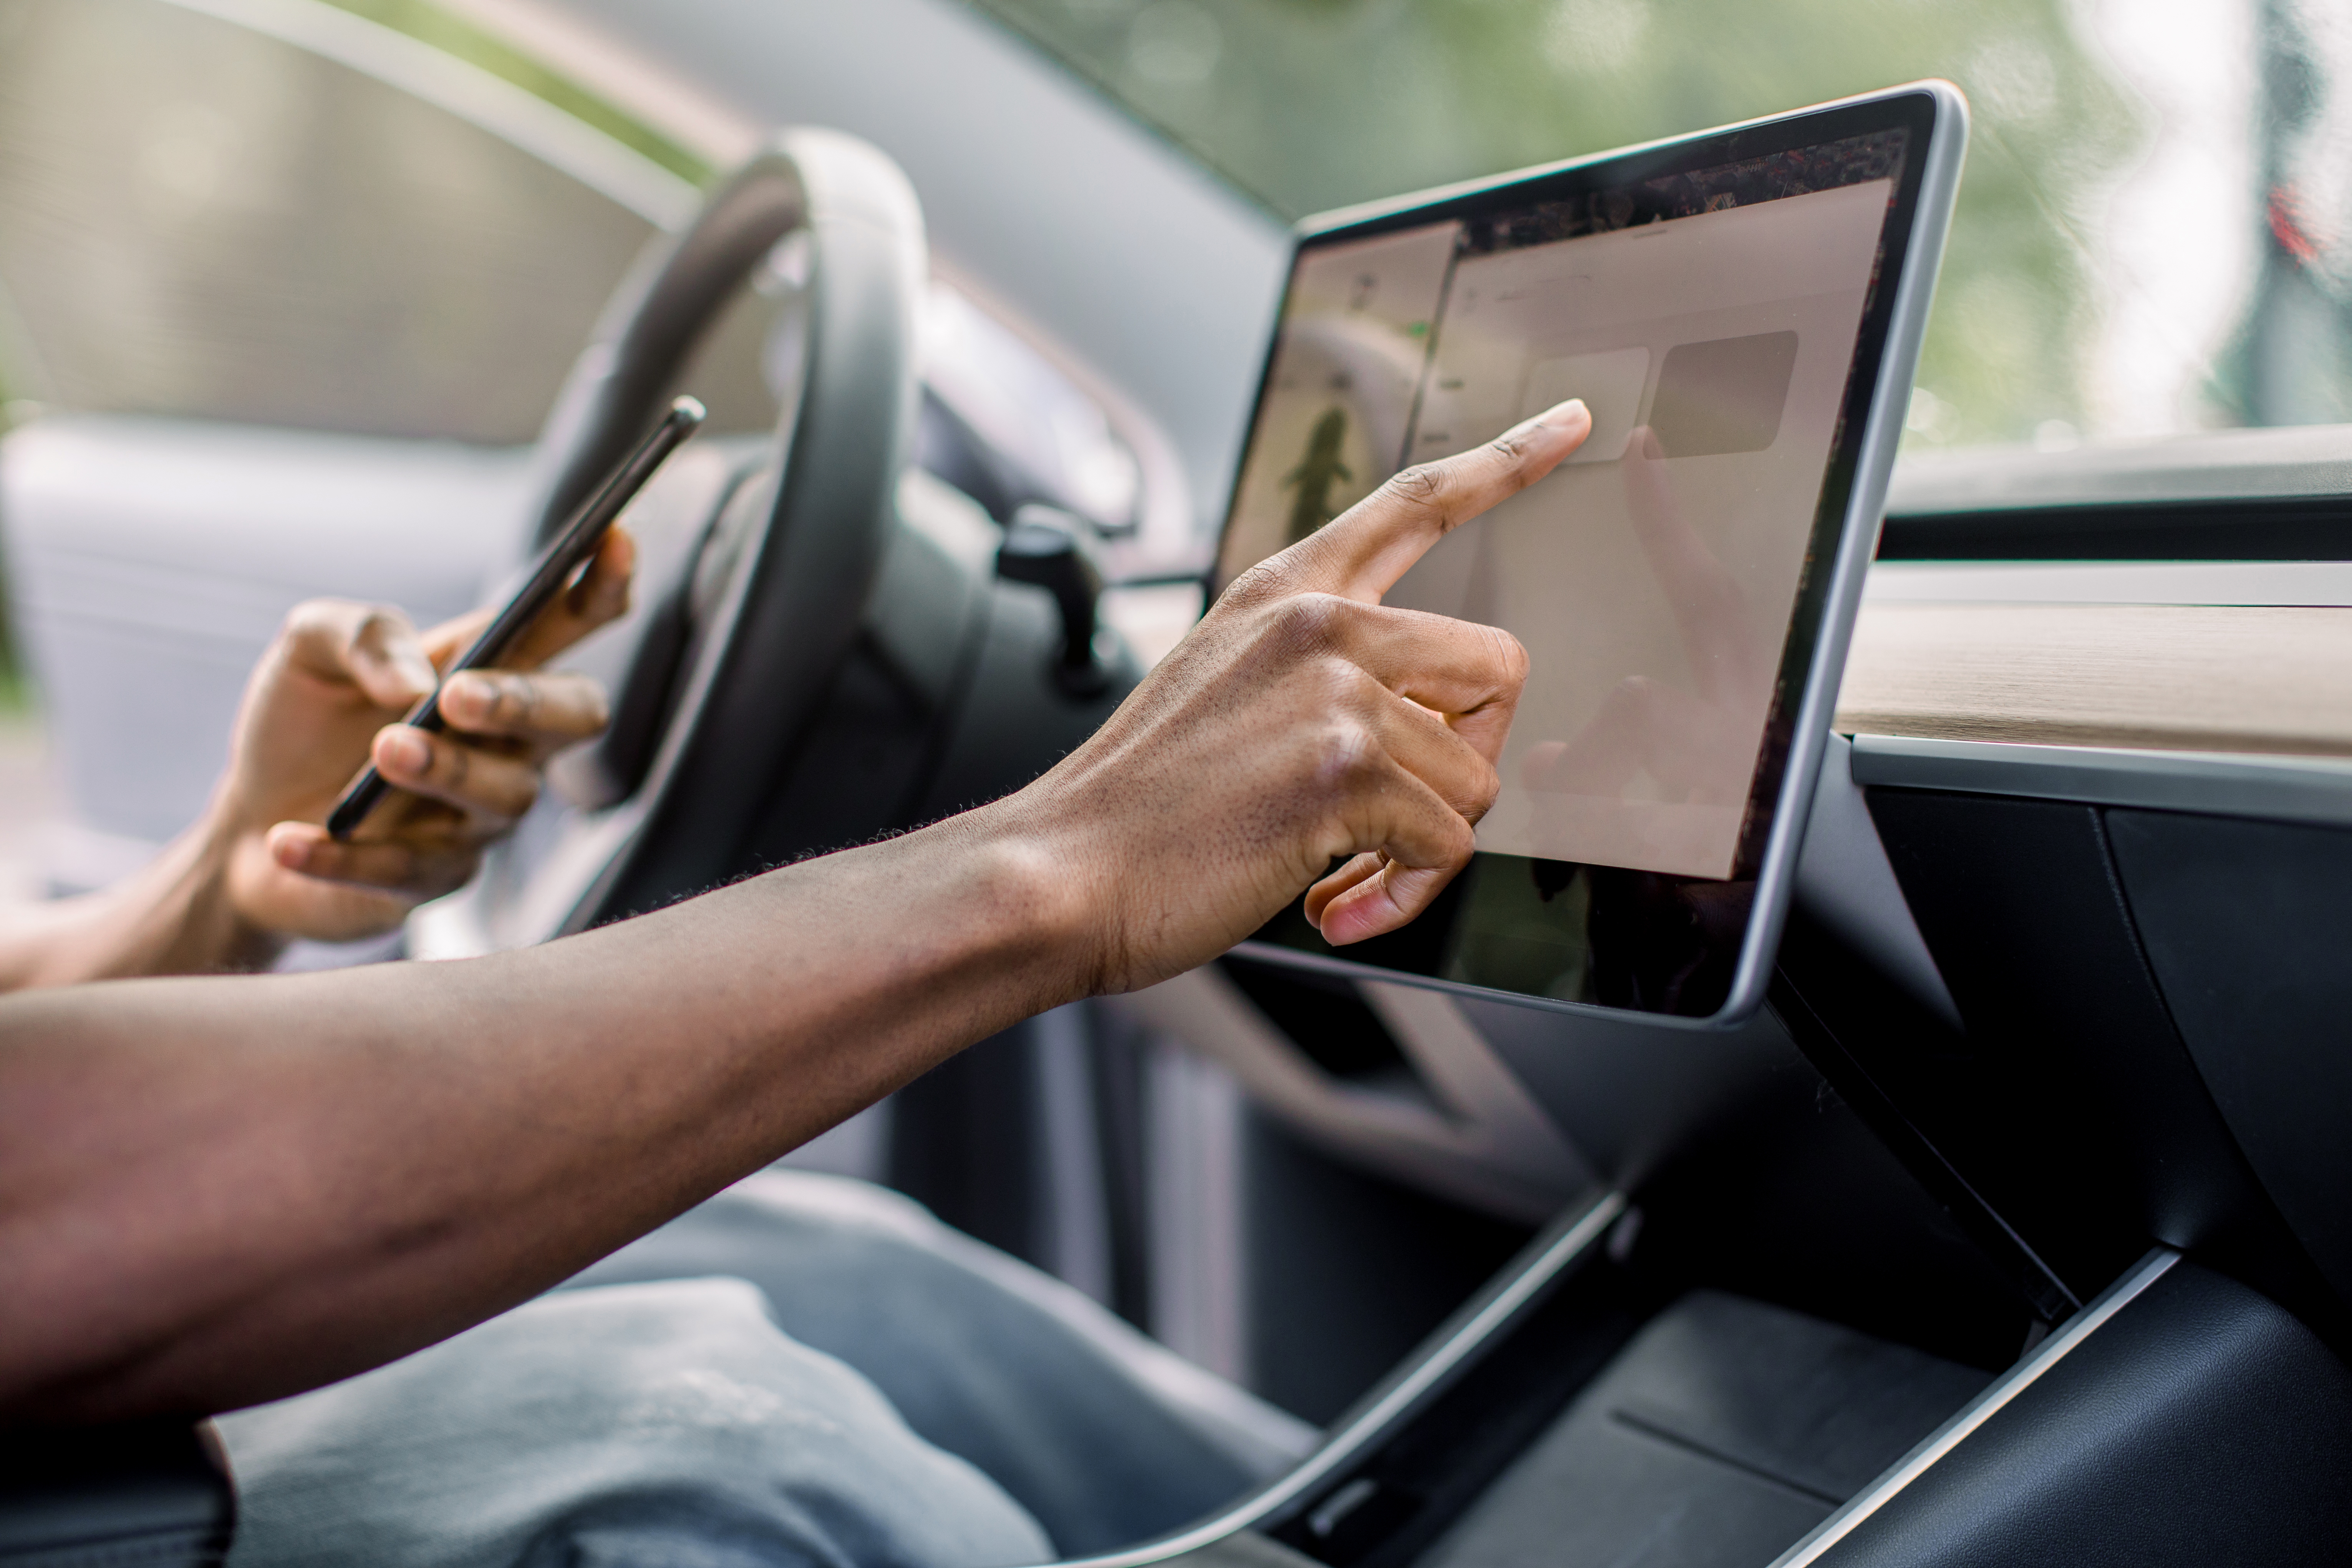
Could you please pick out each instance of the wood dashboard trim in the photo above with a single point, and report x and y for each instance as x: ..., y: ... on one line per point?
x: 2273, y: 680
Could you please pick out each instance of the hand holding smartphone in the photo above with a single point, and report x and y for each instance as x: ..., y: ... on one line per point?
x: 554, y: 571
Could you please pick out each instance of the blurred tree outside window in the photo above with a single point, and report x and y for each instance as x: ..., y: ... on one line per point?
x: 2155, y: 228
x: 2296, y: 361
x: 200, y: 220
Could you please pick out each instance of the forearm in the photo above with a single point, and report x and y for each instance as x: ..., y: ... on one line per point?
x: 218, y: 1191
x: 171, y: 917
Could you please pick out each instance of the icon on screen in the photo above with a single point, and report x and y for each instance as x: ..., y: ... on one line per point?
x: 1723, y: 395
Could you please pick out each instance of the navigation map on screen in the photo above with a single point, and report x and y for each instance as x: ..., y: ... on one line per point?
x: 1651, y: 576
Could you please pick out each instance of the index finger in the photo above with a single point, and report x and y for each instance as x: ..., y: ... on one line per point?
x: 601, y: 595
x: 1361, y: 553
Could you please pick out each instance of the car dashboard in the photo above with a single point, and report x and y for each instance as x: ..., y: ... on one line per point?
x: 2066, y: 950
x: 2016, y: 1228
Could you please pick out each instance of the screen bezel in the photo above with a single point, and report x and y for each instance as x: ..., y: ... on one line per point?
x: 1847, y: 517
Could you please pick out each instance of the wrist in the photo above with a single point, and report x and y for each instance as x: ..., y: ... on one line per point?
x: 173, y: 916
x: 198, y: 922
x: 1035, y: 900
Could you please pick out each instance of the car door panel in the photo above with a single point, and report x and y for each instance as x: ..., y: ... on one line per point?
x: 294, y: 287
x: 152, y: 560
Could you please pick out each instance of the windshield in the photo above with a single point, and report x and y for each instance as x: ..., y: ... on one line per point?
x: 2155, y: 228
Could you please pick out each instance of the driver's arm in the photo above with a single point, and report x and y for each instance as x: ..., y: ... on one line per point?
x: 217, y: 1191
x: 257, y: 870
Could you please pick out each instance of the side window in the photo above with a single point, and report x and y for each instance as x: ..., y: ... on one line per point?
x: 201, y: 220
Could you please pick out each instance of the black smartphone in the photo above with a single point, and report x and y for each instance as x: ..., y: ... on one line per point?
x: 550, y: 575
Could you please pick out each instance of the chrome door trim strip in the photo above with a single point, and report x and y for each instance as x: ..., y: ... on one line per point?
x: 1953, y: 1433
x: 2219, y: 783
x: 1553, y: 1255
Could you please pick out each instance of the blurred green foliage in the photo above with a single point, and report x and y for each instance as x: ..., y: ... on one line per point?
x: 456, y: 35
x: 1312, y: 104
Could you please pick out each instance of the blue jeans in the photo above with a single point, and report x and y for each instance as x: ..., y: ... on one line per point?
x: 928, y: 1401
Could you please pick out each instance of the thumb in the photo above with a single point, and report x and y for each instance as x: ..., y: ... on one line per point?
x: 387, y: 659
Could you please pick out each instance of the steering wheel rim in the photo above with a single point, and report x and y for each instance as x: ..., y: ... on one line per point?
x: 768, y: 597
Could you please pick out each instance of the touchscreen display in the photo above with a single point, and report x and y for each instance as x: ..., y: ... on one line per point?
x: 1709, y: 320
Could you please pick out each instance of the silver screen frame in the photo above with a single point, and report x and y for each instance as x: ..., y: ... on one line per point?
x: 1915, y: 288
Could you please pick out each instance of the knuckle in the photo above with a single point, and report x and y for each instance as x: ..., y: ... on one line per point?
x: 377, y: 622
x: 1310, y: 620
x: 318, y: 619
x: 1485, y: 783
x: 1423, y: 485
x: 1342, y: 688
x: 608, y: 591
x: 1268, y: 580
x: 462, y: 700
x: 497, y: 698
x: 387, y: 865
x: 1349, y: 756
x: 1509, y: 654
x: 328, y: 862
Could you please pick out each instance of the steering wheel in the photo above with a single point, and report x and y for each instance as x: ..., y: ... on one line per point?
x: 747, y: 603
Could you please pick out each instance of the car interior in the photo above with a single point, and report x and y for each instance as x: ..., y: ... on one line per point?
x: 2016, y: 1228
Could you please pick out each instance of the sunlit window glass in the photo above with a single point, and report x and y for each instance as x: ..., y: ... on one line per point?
x: 2154, y: 231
